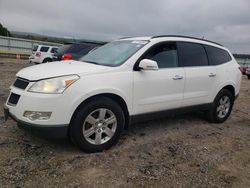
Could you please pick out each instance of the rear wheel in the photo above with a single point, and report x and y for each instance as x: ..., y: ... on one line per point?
x: 97, y: 125
x: 221, y: 107
x: 46, y: 60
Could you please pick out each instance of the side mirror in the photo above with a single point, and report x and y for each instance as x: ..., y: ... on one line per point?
x: 147, y: 64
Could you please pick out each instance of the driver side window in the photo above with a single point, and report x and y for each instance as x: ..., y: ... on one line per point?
x: 164, y: 54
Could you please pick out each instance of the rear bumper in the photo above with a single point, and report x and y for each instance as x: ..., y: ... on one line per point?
x: 58, y: 131
x: 35, y: 60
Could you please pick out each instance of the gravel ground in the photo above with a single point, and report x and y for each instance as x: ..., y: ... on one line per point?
x: 181, y: 151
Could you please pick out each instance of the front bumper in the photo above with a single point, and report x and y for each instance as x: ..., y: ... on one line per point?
x: 61, y: 106
x: 49, y: 131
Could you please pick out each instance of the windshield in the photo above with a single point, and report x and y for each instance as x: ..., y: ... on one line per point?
x: 114, y: 53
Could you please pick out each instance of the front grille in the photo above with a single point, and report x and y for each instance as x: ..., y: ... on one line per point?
x: 20, y: 83
x: 13, y: 99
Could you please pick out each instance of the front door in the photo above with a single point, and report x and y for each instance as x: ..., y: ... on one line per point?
x: 161, y: 89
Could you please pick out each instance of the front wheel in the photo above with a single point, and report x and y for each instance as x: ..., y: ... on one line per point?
x: 97, y: 125
x: 221, y: 107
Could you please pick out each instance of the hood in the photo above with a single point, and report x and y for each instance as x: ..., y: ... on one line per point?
x: 59, y: 68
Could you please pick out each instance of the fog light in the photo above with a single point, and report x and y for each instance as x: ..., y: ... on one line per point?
x: 33, y: 115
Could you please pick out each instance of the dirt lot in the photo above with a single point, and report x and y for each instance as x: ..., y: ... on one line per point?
x: 182, y: 151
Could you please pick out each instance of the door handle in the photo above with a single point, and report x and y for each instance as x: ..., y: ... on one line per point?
x: 212, y: 74
x: 177, y: 77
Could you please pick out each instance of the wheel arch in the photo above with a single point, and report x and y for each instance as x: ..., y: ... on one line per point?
x: 47, y: 58
x: 230, y: 87
x: 118, y: 99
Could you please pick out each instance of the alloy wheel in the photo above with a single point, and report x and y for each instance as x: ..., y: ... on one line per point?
x: 223, y: 107
x: 99, y: 126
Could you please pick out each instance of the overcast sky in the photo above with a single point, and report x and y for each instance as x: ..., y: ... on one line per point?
x: 224, y: 21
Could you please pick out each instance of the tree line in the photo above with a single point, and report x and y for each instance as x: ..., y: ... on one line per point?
x: 4, y: 31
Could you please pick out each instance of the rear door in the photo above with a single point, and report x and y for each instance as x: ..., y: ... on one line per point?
x: 162, y: 89
x: 200, y: 77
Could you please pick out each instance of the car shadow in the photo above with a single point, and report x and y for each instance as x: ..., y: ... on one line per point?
x: 65, y: 145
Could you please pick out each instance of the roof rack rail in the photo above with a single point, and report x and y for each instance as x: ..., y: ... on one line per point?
x: 186, y: 37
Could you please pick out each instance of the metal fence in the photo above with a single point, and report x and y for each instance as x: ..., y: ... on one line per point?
x: 243, y: 61
x: 20, y: 46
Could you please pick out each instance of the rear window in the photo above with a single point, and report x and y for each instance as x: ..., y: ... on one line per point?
x: 217, y: 56
x: 34, y: 48
x: 44, y: 49
x: 192, y: 54
x: 63, y: 49
x: 75, y: 48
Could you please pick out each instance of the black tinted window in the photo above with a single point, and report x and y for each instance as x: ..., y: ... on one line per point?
x: 84, y: 51
x: 44, y: 49
x: 217, y: 56
x: 34, y: 48
x: 165, y: 55
x: 53, y: 50
x: 192, y: 54
x: 62, y: 49
x: 75, y: 48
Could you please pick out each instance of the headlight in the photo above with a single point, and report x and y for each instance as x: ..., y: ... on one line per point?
x: 53, y: 85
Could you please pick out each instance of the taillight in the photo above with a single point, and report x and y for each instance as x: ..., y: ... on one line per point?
x: 38, y: 54
x: 242, y: 70
x: 67, y: 57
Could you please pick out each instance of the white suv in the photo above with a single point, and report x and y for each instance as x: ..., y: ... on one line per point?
x: 128, y: 80
x: 42, y: 54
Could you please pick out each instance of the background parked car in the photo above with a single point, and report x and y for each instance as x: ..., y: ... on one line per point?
x: 248, y: 72
x: 243, y: 67
x: 75, y: 50
x: 42, y: 53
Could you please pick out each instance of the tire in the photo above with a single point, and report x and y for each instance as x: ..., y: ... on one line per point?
x: 221, y: 107
x: 97, y: 125
x: 46, y: 60
x: 248, y: 76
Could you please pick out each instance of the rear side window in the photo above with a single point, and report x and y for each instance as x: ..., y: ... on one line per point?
x: 164, y: 54
x: 44, y: 49
x: 217, y: 56
x: 192, y: 54
x: 53, y: 50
